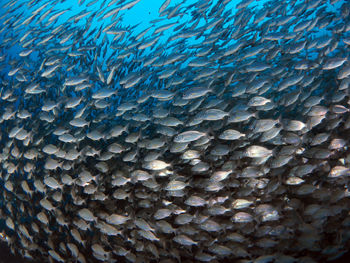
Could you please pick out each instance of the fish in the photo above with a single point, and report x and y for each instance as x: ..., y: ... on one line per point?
x: 216, y: 132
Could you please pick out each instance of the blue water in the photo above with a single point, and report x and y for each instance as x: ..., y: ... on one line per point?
x: 138, y: 17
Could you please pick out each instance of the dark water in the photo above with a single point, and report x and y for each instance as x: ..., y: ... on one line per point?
x: 7, y: 257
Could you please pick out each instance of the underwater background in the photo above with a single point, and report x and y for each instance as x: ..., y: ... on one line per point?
x: 174, y: 131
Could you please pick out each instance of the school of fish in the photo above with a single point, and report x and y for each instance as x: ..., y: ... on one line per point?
x: 215, y: 134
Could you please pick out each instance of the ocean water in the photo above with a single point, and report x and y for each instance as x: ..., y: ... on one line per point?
x: 175, y: 131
